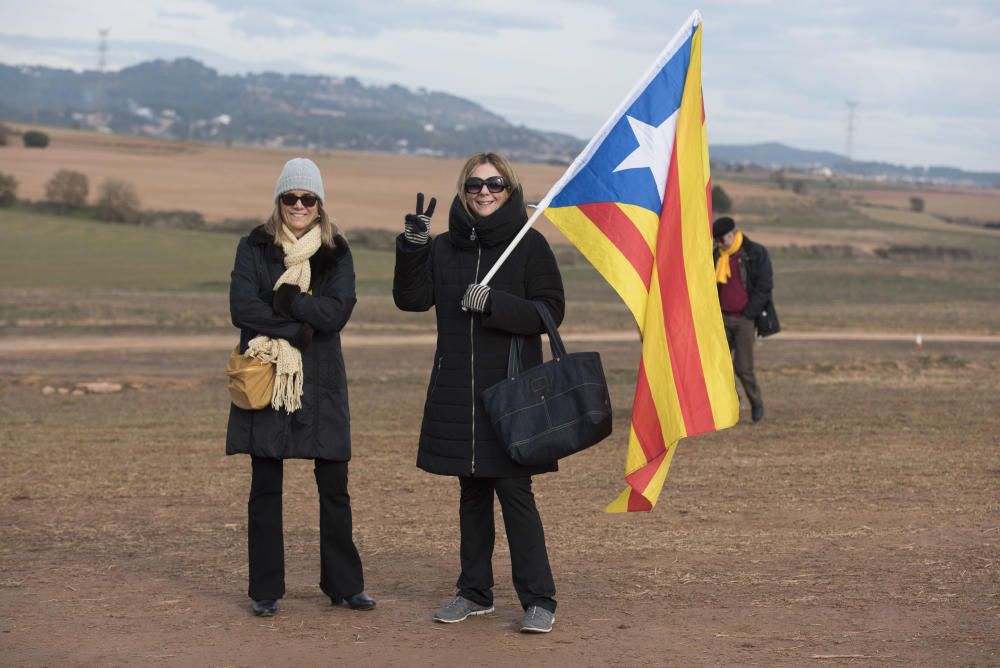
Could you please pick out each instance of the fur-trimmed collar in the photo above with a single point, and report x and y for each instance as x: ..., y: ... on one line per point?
x: 320, y: 261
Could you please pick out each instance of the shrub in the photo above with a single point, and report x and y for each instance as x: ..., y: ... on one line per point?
x: 235, y: 225
x: 35, y: 139
x: 8, y: 190
x: 374, y: 239
x: 917, y: 204
x: 177, y: 219
x: 721, y: 203
x: 799, y: 187
x: 5, y: 134
x: 117, y: 202
x: 779, y: 178
x: 67, y: 188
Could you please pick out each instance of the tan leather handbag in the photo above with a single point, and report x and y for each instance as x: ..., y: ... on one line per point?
x: 251, y: 382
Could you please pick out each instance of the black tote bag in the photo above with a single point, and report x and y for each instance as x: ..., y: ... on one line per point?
x: 551, y: 410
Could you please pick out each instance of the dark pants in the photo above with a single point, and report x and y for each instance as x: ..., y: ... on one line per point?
x: 740, y: 333
x: 529, y: 559
x: 340, y: 565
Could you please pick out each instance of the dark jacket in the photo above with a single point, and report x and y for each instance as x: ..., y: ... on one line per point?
x: 755, y: 274
x: 456, y: 438
x: 321, y: 428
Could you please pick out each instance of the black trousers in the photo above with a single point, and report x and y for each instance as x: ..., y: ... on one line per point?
x: 529, y: 559
x: 340, y: 565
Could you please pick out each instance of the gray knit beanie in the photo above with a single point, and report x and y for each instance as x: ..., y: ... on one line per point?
x: 300, y: 174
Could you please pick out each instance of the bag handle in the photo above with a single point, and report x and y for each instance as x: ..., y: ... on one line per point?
x: 517, y: 342
x: 514, y: 356
x: 555, y: 341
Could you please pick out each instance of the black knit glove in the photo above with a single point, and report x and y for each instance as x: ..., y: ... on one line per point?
x: 417, y: 226
x: 303, y: 337
x: 283, y: 298
x: 477, y: 298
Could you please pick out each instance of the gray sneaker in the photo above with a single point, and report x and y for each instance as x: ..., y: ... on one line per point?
x: 459, y: 609
x: 537, y: 620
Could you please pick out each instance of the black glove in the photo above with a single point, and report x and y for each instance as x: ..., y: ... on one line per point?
x: 303, y: 337
x: 283, y: 298
x: 477, y: 298
x: 417, y: 226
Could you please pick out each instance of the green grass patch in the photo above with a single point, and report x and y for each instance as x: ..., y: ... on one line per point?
x: 56, y: 251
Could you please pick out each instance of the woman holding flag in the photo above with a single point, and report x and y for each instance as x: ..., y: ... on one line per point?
x: 475, y: 323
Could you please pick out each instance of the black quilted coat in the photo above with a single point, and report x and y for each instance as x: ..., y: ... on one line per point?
x: 455, y: 437
x: 321, y: 429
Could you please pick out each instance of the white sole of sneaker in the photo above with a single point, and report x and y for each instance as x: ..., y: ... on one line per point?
x: 529, y: 629
x: 535, y: 629
x: 488, y: 611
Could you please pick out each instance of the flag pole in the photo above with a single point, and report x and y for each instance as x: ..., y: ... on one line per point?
x: 539, y: 208
x: 588, y: 151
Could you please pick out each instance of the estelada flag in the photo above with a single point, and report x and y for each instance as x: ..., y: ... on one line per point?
x: 637, y: 203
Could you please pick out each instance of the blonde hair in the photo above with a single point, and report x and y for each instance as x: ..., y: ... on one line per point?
x: 327, y: 227
x: 501, y: 164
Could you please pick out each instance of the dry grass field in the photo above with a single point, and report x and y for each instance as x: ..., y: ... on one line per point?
x: 364, y: 190
x: 857, y: 525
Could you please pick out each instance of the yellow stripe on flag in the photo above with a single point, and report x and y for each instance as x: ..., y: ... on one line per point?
x: 659, y: 370
x: 604, y: 255
x: 646, y: 221
x: 652, y: 490
x: 693, y: 174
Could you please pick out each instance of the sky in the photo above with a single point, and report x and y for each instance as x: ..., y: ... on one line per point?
x: 925, y: 75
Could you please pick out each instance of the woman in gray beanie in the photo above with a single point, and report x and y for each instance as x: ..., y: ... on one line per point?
x: 291, y: 294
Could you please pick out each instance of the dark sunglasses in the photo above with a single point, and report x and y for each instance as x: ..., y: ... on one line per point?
x: 494, y: 184
x: 308, y: 201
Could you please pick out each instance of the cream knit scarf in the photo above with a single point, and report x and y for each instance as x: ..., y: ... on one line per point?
x: 286, y: 357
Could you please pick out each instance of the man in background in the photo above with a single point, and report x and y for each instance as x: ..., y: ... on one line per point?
x: 743, y: 273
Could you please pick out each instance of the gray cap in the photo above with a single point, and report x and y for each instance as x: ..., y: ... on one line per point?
x: 300, y: 174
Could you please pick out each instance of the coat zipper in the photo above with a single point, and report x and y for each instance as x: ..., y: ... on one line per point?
x: 472, y: 352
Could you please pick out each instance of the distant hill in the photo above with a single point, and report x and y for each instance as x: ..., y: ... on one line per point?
x: 773, y: 155
x: 184, y: 99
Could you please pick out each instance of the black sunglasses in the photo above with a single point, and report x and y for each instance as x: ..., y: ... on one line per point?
x: 308, y: 200
x: 494, y: 184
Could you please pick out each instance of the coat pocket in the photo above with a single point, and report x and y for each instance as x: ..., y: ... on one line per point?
x: 435, y: 377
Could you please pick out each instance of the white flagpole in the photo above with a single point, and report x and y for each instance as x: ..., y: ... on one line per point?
x: 587, y: 153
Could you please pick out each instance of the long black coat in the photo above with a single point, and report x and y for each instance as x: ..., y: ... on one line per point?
x: 321, y: 428
x: 456, y: 438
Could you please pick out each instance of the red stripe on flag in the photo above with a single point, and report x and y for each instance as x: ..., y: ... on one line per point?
x: 682, y: 341
x: 641, y: 477
x: 622, y: 232
x: 645, y: 420
x: 708, y: 197
x: 637, y: 503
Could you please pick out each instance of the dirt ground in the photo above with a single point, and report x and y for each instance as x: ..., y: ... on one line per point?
x: 858, y: 524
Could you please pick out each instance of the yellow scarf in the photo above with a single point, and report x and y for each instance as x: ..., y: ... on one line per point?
x: 722, y: 271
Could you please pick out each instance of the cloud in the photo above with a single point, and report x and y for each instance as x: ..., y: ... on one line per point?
x: 772, y: 70
x: 359, y: 19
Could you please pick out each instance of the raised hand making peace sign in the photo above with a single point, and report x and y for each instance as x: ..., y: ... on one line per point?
x: 417, y: 226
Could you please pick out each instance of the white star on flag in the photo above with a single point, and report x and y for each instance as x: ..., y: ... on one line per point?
x: 656, y: 144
